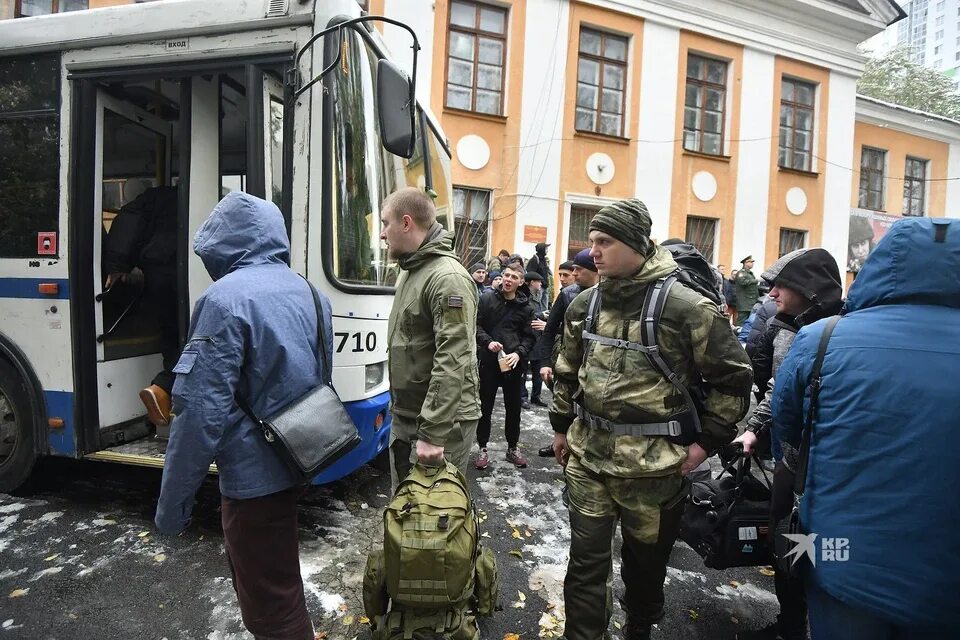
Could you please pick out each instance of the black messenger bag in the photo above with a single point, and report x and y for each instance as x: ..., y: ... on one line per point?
x: 727, y: 518
x: 315, y: 430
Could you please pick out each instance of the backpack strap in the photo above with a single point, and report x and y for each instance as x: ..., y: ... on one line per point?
x: 800, y: 477
x: 653, y: 305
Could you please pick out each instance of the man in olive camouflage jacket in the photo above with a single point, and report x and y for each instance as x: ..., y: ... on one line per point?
x: 637, y: 479
x: 432, y: 340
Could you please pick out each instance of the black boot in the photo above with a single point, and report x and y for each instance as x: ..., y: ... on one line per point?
x: 634, y: 631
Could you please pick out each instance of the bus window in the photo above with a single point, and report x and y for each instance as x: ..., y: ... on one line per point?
x: 440, y: 178
x: 364, y: 173
x: 29, y: 152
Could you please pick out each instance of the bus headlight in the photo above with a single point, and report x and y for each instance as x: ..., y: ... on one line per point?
x: 373, y: 377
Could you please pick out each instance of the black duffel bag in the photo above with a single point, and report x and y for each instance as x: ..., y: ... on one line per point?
x: 727, y: 518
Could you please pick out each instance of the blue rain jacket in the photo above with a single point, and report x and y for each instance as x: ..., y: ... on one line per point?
x: 883, y: 457
x: 254, y: 331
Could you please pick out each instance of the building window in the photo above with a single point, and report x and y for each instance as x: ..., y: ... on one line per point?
x: 872, y: 164
x: 791, y: 240
x: 796, y: 124
x: 702, y: 233
x: 941, y: 4
x: 939, y: 35
x: 914, y: 187
x: 28, y: 8
x: 939, y: 21
x: 936, y: 49
x: 471, y: 211
x: 704, y: 105
x: 578, y: 237
x: 601, y: 82
x: 477, y: 46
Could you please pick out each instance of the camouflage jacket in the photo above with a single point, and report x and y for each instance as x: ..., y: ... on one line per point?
x: 432, y: 340
x: 621, y: 385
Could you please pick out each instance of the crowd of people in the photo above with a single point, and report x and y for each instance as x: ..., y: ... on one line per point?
x: 626, y: 434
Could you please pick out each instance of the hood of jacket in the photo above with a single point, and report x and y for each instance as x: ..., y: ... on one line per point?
x: 916, y: 262
x: 437, y: 243
x: 242, y: 231
x: 811, y: 272
x: 621, y: 291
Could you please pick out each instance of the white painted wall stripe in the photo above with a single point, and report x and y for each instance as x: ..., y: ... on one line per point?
x: 658, y: 117
x: 753, y: 162
x: 837, y: 186
x: 952, y: 205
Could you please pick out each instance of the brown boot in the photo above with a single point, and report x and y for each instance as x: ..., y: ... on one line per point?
x: 157, y: 401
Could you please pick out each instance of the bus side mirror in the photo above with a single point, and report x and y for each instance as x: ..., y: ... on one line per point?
x: 395, y: 105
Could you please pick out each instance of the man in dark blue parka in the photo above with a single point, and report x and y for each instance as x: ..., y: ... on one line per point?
x: 254, y: 334
x: 880, y: 486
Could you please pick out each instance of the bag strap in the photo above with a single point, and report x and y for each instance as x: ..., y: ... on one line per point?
x: 653, y: 304
x: 800, y: 477
x: 321, y: 347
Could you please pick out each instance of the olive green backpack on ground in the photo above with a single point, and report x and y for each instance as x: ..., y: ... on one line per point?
x: 432, y: 575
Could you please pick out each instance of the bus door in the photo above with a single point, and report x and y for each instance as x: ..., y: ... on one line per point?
x: 132, y: 174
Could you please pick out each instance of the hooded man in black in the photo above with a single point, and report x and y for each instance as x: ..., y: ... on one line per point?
x: 806, y: 287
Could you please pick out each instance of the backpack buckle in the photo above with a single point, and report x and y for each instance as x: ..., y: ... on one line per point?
x: 673, y: 428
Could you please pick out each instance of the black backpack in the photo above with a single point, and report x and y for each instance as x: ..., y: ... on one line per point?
x: 695, y: 272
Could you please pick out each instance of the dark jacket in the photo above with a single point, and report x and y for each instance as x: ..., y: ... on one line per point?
x: 746, y: 291
x: 254, y: 333
x: 144, y: 234
x: 814, y: 274
x: 552, y: 333
x: 494, y: 325
x: 752, y: 331
x: 882, y: 469
x: 729, y: 292
x: 540, y: 263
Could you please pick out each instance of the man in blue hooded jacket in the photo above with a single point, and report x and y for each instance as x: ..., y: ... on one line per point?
x: 253, y: 334
x: 878, y: 491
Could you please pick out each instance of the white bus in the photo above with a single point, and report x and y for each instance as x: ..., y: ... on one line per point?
x: 206, y: 96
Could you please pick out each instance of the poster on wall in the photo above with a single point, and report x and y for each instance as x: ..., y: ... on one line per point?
x: 866, y: 229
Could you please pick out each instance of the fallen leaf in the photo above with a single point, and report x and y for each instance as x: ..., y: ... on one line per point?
x: 143, y: 534
x: 73, y: 616
x: 19, y: 593
x: 523, y: 596
x: 734, y: 583
x: 320, y: 635
x: 516, y: 534
x: 617, y: 625
x: 734, y: 620
x: 347, y: 621
x: 485, y: 534
x: 159, y: 606
x: 693, y: 614
x: 767, y: 571
x: 527, y: 533
x: 51, y: 558
x: 343, y: 606
x: 551, y: 606
x: 516, y: 553
x: 160, y: 557
x: 363, y: 620
x: 511, y: 636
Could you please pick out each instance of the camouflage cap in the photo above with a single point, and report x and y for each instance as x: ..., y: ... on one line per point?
x: 627, y: 221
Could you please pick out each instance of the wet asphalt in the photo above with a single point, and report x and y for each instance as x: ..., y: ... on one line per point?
x: 80, y: 559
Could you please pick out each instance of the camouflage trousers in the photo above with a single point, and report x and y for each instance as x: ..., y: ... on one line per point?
x: 649, y: 515
x: 403, y: 447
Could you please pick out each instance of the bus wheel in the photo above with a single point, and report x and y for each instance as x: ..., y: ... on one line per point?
x: 16, y: 430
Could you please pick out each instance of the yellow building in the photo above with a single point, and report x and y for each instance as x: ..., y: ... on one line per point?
x: 737, y: 123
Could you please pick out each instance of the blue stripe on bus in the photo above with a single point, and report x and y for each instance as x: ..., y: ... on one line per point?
x: 60, y: 405
x: 27, y: 288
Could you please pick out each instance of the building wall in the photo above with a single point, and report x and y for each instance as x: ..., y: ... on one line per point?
x: 898, y: 146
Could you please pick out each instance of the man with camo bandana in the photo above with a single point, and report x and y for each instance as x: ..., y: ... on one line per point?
x: 602, y: 406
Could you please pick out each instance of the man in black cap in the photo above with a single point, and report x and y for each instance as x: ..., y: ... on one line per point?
x: 541, y: 309
x: 614, y: 411
x: 565, y: 274
x: 540, y: 263
x: 479, y: 274
x: 585, y: 276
